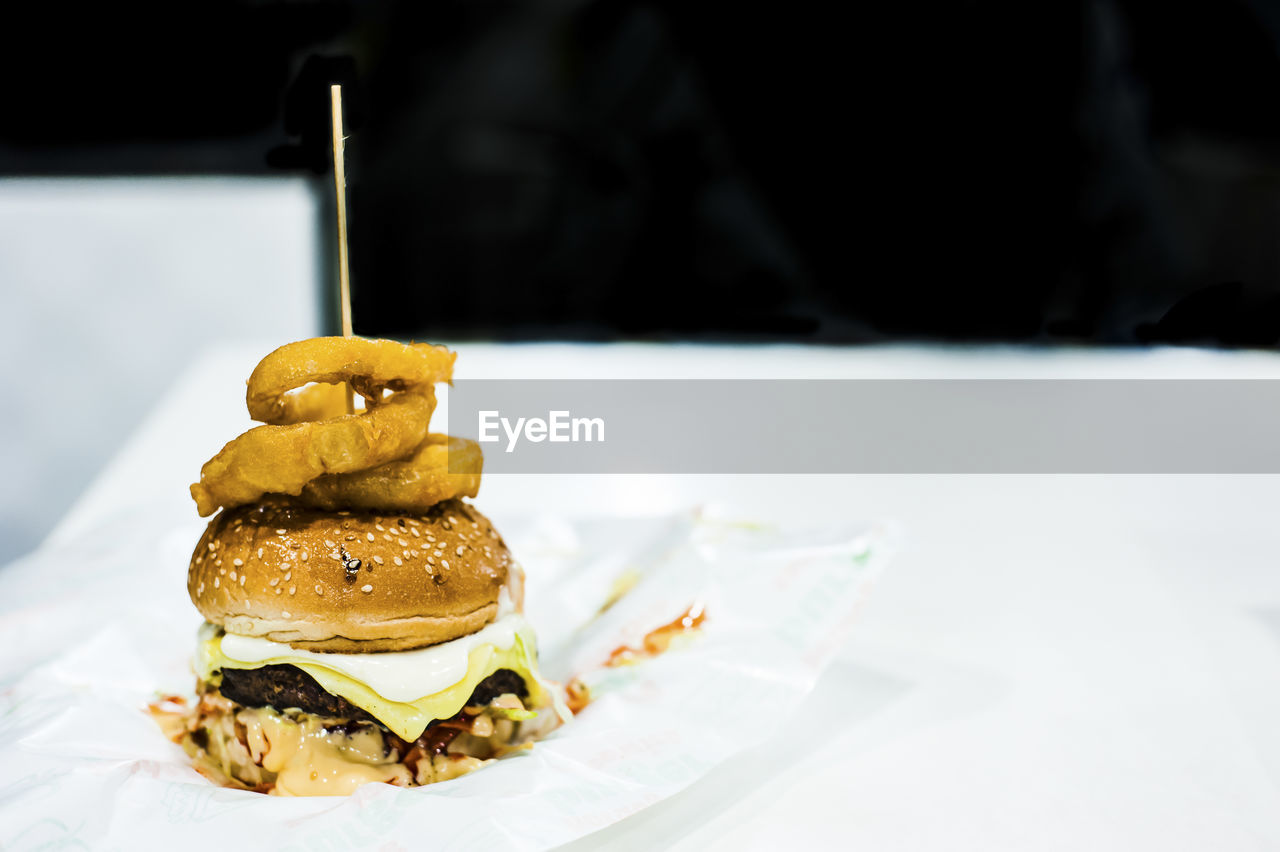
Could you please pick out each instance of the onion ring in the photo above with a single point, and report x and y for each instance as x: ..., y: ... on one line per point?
x: 282, y: 459
x: 443, y: 467
x: 370, y: 366
x: 313, y: 402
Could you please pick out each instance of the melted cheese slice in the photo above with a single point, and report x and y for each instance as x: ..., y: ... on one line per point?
x: 404, y: 690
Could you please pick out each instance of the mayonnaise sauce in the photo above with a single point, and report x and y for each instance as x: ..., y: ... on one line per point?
x: 310, y: 761
x: 395, y: 675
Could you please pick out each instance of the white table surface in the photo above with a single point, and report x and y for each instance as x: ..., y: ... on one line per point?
x: 1051, y: 662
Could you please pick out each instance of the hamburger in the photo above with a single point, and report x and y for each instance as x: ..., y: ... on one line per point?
x: 341, y: 648
x: 363, y: 622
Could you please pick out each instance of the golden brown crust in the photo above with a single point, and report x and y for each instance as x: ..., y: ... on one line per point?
x: 349, y: 581
x: 440, y: 468
x: 282, y: 459
x: 371, y: 366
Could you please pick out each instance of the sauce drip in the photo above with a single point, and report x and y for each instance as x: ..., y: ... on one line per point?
x: 659, y: 640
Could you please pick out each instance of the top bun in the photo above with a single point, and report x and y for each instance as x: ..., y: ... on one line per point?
x: 350, y: 581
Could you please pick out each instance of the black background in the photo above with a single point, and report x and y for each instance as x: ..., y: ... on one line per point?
x: 1096, y: 172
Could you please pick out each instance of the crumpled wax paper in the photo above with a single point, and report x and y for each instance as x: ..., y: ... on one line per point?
x: 90, y: 633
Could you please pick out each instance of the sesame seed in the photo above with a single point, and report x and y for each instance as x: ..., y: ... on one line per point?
x: 398, y: 560
x: 431, y: 560
x: 242, y: 579
x: 293, y: 589
x: 233, y: 576
x: 275, y: 581
x: 304, y: 556
x: 461, y: 549
x: 319, y: 590
x: 259, y: 552
x: 200, y: 589
x: 216, y: 582
x: 222, y: 571
x: 369, y: 536
x: 415, y: 532
x: 213, y: 545
x: 237, y: 562
x: 349, y: 538
x: 379, y: 528
x: 444, y: 563
x: 378, y: 559
x: 366, y: 588
x: 402, y: 542
x: 286, y: 613
x: 287, y: 575
x: 278, y: 591
x: 386, y: 537
x: 328, y: 543
x: 281, y: 532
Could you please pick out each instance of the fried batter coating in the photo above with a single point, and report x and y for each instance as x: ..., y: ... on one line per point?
x: 371, y: 367
x: 443, y: 467
x: 283, y: 459
x: 379, y: 458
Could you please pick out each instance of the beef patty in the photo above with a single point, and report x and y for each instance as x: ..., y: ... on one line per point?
x: 285, y: 686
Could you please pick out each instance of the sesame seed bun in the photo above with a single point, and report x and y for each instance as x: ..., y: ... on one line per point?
x: 350, y: 581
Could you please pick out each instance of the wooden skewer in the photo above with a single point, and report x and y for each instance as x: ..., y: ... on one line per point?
x: 340, y: 196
